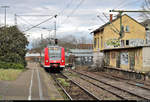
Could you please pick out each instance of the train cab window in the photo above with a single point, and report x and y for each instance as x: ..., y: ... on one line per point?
x: 55, y: 53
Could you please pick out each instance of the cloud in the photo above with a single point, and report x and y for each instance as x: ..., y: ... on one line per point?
x: 81, y: 22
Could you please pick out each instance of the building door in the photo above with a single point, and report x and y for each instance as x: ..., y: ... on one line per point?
x: 107, y: 58
x: 118, y: 60
x: 132, y: 60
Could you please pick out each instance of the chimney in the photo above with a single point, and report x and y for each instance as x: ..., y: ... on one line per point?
x: 111, y: 17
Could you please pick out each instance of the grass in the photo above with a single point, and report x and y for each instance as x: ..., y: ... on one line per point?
x: 73, y: 74
x: 63, y: 82
x: 10, y: 74
x: 0, y: 97
x: 61, y: 92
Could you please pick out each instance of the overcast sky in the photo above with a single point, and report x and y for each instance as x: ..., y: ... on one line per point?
x: 76, y: 17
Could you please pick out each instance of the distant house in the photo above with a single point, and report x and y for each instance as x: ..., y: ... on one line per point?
x: 82, y: 56
x: 84, y: 46
x: 32, y: 57
x: 146, y: 24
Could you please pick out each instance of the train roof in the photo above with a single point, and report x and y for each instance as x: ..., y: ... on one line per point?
x: 53, y: 46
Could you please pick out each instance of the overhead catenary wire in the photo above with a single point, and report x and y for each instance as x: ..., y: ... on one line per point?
x: 35, y: 15
x: 44, y: 15
x: 119, y: 4
x: 147, y: 3
x: 74, y: 10
x: 25, y: 21
x: 40, y: 23
x: 129, y: 3
x: 67, y: 6
x: 105, y: 23
x: 126, y: 3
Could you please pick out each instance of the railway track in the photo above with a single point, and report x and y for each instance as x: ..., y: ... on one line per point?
x: 73, y: 91
x: 133, y: 80
x: 97, y: 91
x: 134, y: 83
x: 118, y: 91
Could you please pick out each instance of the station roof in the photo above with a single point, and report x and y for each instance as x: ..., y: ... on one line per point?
x: 32, y: 54
x: 81, y: 50
x: 129, y: 47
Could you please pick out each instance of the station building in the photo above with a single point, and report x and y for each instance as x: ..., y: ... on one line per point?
x: 130, y: 52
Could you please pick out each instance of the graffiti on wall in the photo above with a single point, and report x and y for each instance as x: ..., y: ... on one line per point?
x: 136, y: 42
x: 148, y: 37
x: 112, y: 43
x: 124, y: 58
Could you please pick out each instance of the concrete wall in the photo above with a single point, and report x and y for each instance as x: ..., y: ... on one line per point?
x: 127, y: 57
x: 148, y: 37
x: 146, y: 58
x: 97, y: 56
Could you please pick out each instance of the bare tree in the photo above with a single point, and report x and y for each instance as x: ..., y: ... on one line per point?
x: 145, y: 6
x: 36, y: 42
x: 83, y: 39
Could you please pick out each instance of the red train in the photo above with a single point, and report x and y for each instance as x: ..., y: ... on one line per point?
x: 53, y: 58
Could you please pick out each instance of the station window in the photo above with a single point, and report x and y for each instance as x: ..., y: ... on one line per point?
x: 122, y: 43
x: 101, y: 41
x: 95, y: 42
x: 98, y: 42
x: 122, y: 28
x: 127, y: 29
x: 127, y: 42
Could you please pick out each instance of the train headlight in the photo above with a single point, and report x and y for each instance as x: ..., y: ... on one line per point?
x: 46, y: 60
x: 62, y: 60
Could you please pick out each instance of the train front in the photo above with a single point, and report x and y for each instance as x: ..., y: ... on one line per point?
x: 55, y: 57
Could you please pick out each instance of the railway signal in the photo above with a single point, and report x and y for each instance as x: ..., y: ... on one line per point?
x: 56, y: 41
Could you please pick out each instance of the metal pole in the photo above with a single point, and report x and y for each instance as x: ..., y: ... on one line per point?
x: 55, y: 27
x: 120, y: 13
x: 55, y: 30
x: 15, y: 19
x: 5, y: 16
x: 49, y: 36
x: 5, y: 13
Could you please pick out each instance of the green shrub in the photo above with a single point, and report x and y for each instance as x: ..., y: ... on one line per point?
x: 63, y: 82
x: 13, y: 44
x: 9, y: 65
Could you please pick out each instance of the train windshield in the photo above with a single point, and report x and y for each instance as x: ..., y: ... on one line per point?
x: 55, y: 53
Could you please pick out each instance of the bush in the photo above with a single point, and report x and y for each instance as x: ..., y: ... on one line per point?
x: 12, y: 46
x: 9, y: 65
